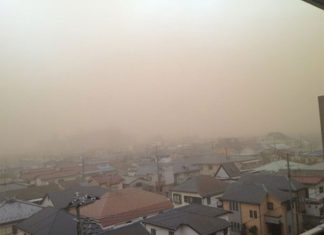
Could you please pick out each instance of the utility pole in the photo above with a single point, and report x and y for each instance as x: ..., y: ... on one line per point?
x: 291, y: 198
x: 78, y: 201
x: 157, y: 157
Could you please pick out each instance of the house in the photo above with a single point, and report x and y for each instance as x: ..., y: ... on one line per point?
x: 202, y: 189
x: 138, y: 182
x: 62, y: 199
x: 314, y: 199
x: 110, y: 182
x: 125, y: 206
x: 228, y: 171
x: 258, y: 209
x: 33, y: 194
x: 13, y: 212
x: 191, y: 219
x: 281, y: 182
x: 53, y: 221
x: 132, y: 229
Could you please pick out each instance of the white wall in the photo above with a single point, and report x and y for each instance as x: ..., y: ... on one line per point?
x: 182, y: 230
x: 221, y: 174
x: 47, y: 203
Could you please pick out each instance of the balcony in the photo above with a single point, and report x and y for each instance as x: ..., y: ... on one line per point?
x: 272, y: 219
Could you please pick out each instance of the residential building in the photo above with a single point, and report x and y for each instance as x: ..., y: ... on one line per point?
x: 189, y: 220
x: 202, y: 189
x: 228, y: 171
x: 314, y: 199
x: 281, y: 182
x: 13, y: 212
x: 258, y: 209
x: 33, y: 194
x: 53, y: 221
x: 128, y: 205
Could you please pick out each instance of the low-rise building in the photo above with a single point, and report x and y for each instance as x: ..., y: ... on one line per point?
x: 33, y: 194
x: 189, y: 220
x: 202, y: 189
x: 13, y: 212
x: 228, y: 171
x: 118, y: 208
x: 53, y: 221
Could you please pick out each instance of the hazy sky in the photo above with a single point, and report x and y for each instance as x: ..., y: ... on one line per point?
x: 169, y: 67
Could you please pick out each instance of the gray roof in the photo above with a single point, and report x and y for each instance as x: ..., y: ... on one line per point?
x: 201, y: 219
x: 204, y: 185
x: 271, y: 180
x: 62, y: 199
x: 133, y: 229
x: 14, y: 210
x: 52, y: 221
x: 30, y: 193
x: 252, y: 193
x: 49, y: 221
x: 231, y: 169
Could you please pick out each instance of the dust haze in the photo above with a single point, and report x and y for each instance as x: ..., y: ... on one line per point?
x: 147, y: 68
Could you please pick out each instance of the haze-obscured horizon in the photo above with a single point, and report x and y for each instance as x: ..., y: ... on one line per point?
x: 147, y: 68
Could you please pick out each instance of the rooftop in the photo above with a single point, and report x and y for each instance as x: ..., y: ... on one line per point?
x: 14, y: 210
x: 202, y: 219
x: 124, y: 205
x: 204, y: 185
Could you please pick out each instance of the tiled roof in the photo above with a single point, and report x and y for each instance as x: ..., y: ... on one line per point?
x: 252, y: 193
x: 133, y: 229
x: 204, y: 185
x: 14, y: 210
x: 49, y: 221
x: 280, y: 182
x: 201, y: 219
x: 231, y: 169
x: 107, y: 179
x: 124, y: 205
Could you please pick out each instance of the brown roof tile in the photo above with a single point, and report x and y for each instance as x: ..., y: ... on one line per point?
x: 126, y: 204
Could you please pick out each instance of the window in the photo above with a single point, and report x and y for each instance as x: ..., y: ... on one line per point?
x: 289, y: 229
x: 321, y: 189
x: 270, y: 206
x: 153, y: 231
x: 171, y: 233
x: 253, y: 214
x: 177, y: 198
x: 233, y: 206
x: 288, y: 206
x: 235, y: 226
x: 190, y: 200
x: 208, y: 200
